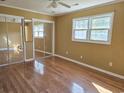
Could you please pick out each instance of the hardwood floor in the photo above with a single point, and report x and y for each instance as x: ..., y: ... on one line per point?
x: 55, y: 75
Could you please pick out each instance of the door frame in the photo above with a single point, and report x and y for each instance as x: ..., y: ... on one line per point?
x: 53, y: 34
x: 21, y: 34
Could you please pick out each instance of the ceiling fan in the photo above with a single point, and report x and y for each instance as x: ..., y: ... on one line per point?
x: 55, y: 3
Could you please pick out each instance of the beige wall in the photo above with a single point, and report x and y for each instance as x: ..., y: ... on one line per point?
x: 94, y: 54
x: 27, y: 15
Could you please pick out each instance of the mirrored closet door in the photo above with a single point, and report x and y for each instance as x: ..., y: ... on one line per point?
x: 3, y: 41
x: 11, y: 32
x: 48, y: 30
x: 39, y: 39
x: 43, y: 38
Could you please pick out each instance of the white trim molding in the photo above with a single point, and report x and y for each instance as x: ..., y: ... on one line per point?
x: 92, y: 67
x: 37, y: 50
x: 28, y: 60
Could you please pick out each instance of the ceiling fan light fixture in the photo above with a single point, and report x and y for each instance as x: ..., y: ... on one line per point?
x: 53, y: 12
x: 54, y: 4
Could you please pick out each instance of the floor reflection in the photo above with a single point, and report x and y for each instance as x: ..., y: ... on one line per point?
x: 77, y: 88
x: 101, y: 89
x: 10, y: 56
x: 39, y: 67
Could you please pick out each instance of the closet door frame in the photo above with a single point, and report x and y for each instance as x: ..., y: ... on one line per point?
x: 22, y: 35
x: 53, y: 35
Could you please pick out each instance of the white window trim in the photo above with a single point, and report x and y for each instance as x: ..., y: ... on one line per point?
x: 89, y: 29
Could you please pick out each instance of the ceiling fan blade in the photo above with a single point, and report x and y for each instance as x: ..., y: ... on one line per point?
x: 76, y: 4
x: 65, y: 5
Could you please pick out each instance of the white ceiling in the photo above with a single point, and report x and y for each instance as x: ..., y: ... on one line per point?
x: 41, y: 5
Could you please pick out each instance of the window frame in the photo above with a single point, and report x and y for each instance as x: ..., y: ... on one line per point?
x: 88, y: 40
x: 73, y: 32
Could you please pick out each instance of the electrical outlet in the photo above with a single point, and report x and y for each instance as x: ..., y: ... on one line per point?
x: 81, y: 57
x: 66, y: 52
x: 110, y: 64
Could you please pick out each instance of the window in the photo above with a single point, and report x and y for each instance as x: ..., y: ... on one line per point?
x: 93, y: 29
x: 80, y: 29
x: 39, y: 30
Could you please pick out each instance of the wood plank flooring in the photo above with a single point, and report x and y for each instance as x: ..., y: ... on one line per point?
x: 55, y: 75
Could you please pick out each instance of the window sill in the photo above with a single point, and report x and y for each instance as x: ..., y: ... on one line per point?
x: 91, y: 41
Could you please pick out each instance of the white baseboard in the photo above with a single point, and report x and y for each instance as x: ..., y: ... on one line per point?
x: 92, y: 67
x: 11, y: 63
x: 37, y: 50
x: 31, y: 59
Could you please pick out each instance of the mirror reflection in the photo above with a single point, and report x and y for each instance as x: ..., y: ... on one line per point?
x: 42, y: 33
x: 11, y: 47
x: 48, y: 38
